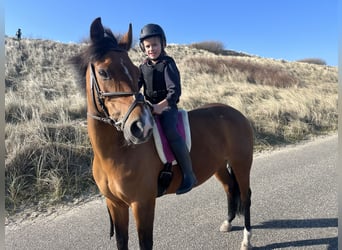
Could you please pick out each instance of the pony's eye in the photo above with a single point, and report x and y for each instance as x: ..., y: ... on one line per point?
x: 103, y: 73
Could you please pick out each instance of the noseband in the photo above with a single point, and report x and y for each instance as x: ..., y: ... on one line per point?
x: 96, y: 92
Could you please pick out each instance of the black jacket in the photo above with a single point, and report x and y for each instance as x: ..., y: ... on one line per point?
x: 160, y: 80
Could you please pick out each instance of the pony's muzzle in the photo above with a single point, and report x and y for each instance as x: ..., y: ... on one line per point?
x: 141, y: 130
x: 138, y: 132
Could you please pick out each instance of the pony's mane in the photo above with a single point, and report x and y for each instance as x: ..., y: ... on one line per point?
x: 94, y: 51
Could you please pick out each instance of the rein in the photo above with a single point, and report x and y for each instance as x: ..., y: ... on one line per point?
x: 96, y: 92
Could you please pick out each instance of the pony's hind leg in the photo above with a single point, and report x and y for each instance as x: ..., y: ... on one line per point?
x: 247, y: 232
x: 239, y: 202
x: 227, y: 226
x: 232, y: 192
x: 119, y: 216
x: 244, y: 202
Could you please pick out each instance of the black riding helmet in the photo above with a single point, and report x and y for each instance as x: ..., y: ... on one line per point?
x: 150, y: 30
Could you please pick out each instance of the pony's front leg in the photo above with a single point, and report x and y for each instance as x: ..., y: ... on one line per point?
x: 144, y: 217
x: 120, y: 217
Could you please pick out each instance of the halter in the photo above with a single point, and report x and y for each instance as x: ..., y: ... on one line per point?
x: 96, y: 91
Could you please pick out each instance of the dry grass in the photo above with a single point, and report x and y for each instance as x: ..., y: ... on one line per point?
x: 48, y: 155
x: 47, y: 149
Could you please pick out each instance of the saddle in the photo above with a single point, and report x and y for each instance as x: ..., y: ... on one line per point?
x: 164, y: 151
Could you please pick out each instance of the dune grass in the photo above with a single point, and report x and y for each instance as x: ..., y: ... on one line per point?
x: 48, y: 154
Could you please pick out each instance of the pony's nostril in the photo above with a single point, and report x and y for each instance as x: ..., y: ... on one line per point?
x: 137, y: 129
x: 140, y: 126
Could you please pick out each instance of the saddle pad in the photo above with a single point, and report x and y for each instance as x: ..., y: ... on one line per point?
x: 162, y: 145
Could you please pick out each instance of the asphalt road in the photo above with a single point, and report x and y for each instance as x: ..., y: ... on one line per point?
x: 294, y: 206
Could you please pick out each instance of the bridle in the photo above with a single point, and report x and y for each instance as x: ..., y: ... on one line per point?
x: 96, y: 92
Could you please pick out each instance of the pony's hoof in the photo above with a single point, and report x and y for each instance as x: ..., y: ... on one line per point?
x: 245, y: 246
x: 226, y: 226
x: 246, y: 243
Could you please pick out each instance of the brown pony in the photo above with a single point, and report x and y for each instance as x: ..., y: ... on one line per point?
x: 126, y: 166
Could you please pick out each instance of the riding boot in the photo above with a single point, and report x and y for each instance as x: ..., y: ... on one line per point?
x: 182, y: 156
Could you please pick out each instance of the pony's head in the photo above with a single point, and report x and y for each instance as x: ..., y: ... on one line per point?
x: 111, y: 81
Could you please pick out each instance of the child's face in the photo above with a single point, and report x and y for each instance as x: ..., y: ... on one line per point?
x: 152, y: 47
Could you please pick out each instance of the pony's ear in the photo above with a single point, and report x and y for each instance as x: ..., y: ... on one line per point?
x: 96, y: 30
x: 126, y: 41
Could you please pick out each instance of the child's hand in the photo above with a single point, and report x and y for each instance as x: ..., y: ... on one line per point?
x: 159, y: 108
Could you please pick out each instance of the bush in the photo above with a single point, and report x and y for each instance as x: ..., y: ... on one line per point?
x: 211, y: 46
x: 313, y: 61
x: 255, y: 73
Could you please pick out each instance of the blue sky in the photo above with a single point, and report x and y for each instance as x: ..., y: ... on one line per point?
x: 280, y: 29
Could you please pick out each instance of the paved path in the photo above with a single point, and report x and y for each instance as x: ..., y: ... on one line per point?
x: 294, y: 206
